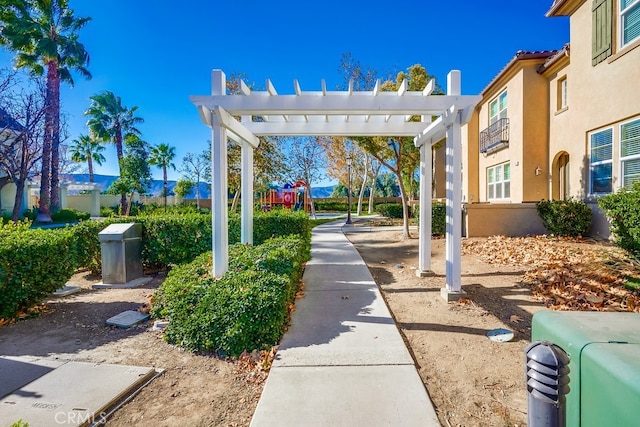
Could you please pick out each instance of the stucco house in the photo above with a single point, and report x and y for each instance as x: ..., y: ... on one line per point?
x: 557, y: 124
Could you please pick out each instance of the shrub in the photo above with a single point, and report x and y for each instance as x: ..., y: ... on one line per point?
x: 390, y: 210
x: 623, y: 210
x: 245, y: 309
x: 565, y: 217
x: 69, y: 215
x: 438, y: 217
x: 172, y: 239
x: 30, y: 214
x: 33, y: 264
x: 108, y: 212
x: 278, y: 223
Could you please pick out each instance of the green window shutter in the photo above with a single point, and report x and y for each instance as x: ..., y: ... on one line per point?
x: 602, y: 42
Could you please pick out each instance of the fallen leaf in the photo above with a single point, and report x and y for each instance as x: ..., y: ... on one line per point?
x: 515, y: 318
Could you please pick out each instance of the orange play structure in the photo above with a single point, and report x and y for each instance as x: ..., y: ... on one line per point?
x: 288, y: 197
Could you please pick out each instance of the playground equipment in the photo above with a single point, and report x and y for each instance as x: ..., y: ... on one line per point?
x: 289, y: 196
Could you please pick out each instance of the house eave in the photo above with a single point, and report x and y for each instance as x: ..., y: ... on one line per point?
x: 563, y: 7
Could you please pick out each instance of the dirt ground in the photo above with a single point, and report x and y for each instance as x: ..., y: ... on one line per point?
x: 472, y: 380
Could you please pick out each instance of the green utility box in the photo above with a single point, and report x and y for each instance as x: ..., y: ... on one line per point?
x: 604, y: 352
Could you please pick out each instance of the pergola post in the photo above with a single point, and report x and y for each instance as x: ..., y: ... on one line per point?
x: 219, y: 208
x: 246, y: 211
x: 424, y: 248
x: 453, y: 289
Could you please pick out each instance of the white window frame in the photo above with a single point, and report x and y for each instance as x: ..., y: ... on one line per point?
x: 624, y: 159
x: 504, y: 185
x: 501, y: 111
x: 562, y: 93
x: 632, y: 4
x: 593, y: 164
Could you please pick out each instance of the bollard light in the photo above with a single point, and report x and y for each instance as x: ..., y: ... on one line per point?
x: 547, y: 378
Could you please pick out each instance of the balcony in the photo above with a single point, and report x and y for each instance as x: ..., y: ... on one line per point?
x: 495, y: 137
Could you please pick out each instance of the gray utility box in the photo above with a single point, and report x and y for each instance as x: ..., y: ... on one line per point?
x: 121, y: 247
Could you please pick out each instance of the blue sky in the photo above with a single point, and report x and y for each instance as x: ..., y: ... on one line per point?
x: 156, y: 54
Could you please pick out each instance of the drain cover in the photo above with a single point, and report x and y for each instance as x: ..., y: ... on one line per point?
x: 127, y: 319
x: 500, y: 335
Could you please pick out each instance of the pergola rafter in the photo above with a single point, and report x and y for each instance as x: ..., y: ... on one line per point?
x: 338, y: 113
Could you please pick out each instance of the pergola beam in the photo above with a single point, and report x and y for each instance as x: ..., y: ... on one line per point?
x: 230, y: 123
x: 344, y: 128
x: 308, y: 103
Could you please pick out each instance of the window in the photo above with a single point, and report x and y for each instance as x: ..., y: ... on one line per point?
x: 602, y: 31
x: 498, y: 108
x: 629, y: 21
x: 499, y: 182
x: 562, y: 93
x: 630, y: 152
x: 600, y: 168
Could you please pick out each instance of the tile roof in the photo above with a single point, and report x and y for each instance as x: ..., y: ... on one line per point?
x: 554, y: 58
x: 520, y: 56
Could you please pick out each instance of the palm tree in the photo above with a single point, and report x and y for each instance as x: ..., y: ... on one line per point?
x: 87, y: 149
x: 44, y: 35
x: 162, y: 156
x: 113, y: 122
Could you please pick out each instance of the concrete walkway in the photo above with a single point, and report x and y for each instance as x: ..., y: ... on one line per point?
x: 343, y: 361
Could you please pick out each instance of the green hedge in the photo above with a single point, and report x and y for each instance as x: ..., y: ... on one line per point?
x: 438, y: 217
x: 174, y: 239
x: 390, y: 210
x: 565, y: 217
x: 33, y: 264
x: 245, y: 309
x: 623, y: 211
x: 69, y: 215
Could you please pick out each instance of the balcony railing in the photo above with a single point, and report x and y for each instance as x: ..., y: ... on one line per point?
x: 495, y: 136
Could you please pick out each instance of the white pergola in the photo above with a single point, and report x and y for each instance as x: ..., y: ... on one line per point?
x: 339, y: 113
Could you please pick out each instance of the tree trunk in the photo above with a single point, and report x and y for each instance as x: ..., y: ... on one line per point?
x: 44, y: 204
x: 21, y: 179
x: 128, y: 206
x: 17, y: 202
x: 165, y: 186
x: 90, y: 163
x: 198, y: 193
x: 55, y: 143
x: 372, y: 193
x: 405, y: 209
x: 120, y: 155
x: 234, y: 203
x: 363, y: 187
x: 313, y: 208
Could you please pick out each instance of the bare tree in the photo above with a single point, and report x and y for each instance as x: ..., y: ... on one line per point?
x: 306, y: 159
x: 195, y: 167
x: 22, y: 138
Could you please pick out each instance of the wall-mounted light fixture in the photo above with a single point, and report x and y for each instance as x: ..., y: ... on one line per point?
x: 538, y: 170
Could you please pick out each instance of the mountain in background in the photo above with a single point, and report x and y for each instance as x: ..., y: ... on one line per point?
x: 104, y: 181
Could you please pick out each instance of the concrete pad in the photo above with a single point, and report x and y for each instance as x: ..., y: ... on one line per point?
x: 452, y: 296
x: 67, y: 290
x: 127, y: 319
x: 345, y: 396
x: 350, y: 327
x: 337, y: 277
x: 73, y: 394
x: 132, y: 284
x: 17, y: 372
